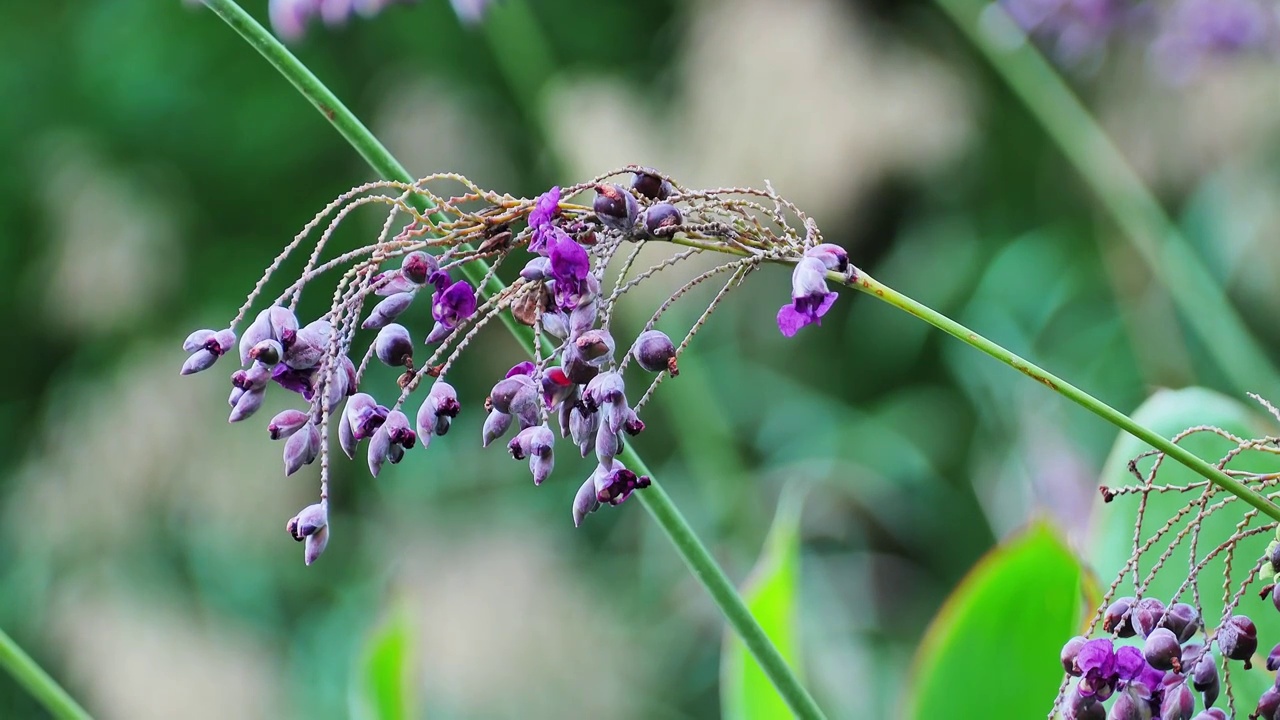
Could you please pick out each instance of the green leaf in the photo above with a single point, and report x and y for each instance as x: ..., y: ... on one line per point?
x: 1008, y: 620
x: 1168, y: 412
x: 771, y: 593
x: 383, y: 688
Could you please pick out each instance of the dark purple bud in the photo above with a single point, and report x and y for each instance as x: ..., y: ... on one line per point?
x: 393, y: 346
x: 1117, y: 618
x: 454, y: 304
x: 301, y: 448
x: 268, y: 352
x: 833, y: 257
x: 596, y: 347
x: 197, y: 340
x: 1069, y: 653
x: 1268, y: 704
x: 1162, y: 650
x: 198, y: 361
x: 1146, y: 615
x: 662, y: 219
x: 565, y: 412
x: 1273, y: 659
x: 582, y: 429
x: 1178, y: 702
x: 615, y: 485
x: 1275, y: 595
x: 1212, y: 714
x: 536, y: 269
x: 1238, y: 639
x: 308, y: 522
x: 631, y: 423
x: 505, y: 392
x: 417, y: 266
x: 1183, y: 620
x: 495, y: 426
x: 655, y: 352
x: 651, y: 185
x: 258, y: 330
x: 388, y: 310
x: 392, y: 282
x: 286, y: 423
x: 315, y: 545
x: 365, y: 415
x: 1082, y: 707
x: 540, y: 219
x: 608, y: 445
x: 578, y: 370
x: 522, y: 368
x: 398, y: 431
x: 247, y: 405
x: 299, y: 381
x: 1273, y: 555
x: 310, y: 345
x: 1097, y: 663
x: 1130, y: 665
x: 585, y: 502
x: 1128, y: 706
x: 438, y: 410
x: 1203, y: 672
x: 616, y: 208
x: 605, y: 389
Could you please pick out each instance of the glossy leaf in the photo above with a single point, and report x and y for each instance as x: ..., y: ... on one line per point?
x: 992, y: 651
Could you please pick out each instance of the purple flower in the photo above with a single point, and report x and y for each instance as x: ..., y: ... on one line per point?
x: 290, y: 18
x: 810, y: 299
x: 1097, y: 663
x: 299, y: 381
x: 570, y: 268
x: 547, y: 205
x: 452, y: 303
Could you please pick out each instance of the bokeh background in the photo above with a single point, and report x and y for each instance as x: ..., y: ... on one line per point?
x: 151, y: 165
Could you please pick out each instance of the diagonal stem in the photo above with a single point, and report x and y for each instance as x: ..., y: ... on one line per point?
x: 654, y: 499
x: 1193, y: 289
x: 38, y: 682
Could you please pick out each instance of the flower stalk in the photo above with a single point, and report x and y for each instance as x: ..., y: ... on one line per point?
x: 36, y: 681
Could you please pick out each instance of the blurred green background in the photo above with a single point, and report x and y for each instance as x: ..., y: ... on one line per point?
x: 151, y: 165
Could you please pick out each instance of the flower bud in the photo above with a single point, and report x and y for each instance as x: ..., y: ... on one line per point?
x: 1162, y: 651
x: 578, y: 370
x: 615, y: 483
x: 236, y: 393
x: 1238, y: 639
x: 616, y: 208
x: 536, y: 444
x: 286, y: 423
x: 1128, y: 706
x: 1199, y: 666
x: 662, y: 219
x: 417, y: 266
x: 268, y: 352
x: 1118, y: 616
x: 392, y: 282
x: 393, y: 346
x: 301, y: 448
x: 604, y: 389
x: 197, y: 340
x: 1268, y: 704
x: 1211, y: 714
x: 198, y: 361
x: 655, y: 352
x: 346, y: 436
x: 536, y: 269
x: 258, y: 330
x: 1178, y: 702
x: 608, y: 445
x: 1069, y: 653
x: 833, y: 257
x: 310, y: 345
x: 596, y: 347
x: 308, y: 522
x: 248, y: 404
x: 379, y: 450
x: 651, y: 185
x: 1275, y: 595
x: 556, y: 323
x: 583, y: 317
x: 1147, y: 613
x: 364, y: 415
x: 525, y: 367
x: 1183, y: 620
x: 438, y: 410
x: 388, y: 310
x: 344, y: 380
x: 398, y: 431
x: 1273, y: 659
x: 585, y: 502
x: 556, y: 387
x: 315, y: 545
x: 495, y: 426
x: 284, y: 324
x: 583, y: 428
x: 222, y: 342
x: 504, y: 393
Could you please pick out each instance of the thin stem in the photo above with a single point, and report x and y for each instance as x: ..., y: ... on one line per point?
x: 1193, y: 289
x: 38, y: 682
x: 654, y: 500
x: 1062, y: 387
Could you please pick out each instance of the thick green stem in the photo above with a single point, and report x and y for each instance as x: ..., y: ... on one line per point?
x: 654, y: 499
x: 1131, y: 205
x: 37, y: 682
x: 1062, y: 387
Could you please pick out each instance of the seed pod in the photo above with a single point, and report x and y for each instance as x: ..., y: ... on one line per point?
x: 616, y: 208
x: 650, y: 184
x: 286, y: 423
x: 662, y: 219
x: 655, y: 352
x: 1238, y: 639
x: 393, y: 346
x: 387, y: 311
x: 1162, y: 651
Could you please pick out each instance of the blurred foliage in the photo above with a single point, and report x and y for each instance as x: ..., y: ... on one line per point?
x: 151, y: 165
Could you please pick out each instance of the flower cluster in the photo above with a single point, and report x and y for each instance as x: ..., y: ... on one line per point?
x: 577, y: 387
x: 290, y: 18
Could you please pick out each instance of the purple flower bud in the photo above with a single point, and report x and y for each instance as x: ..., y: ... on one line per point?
x: 1178, y: 702
x: 556, y: 387
x: 1117, y: 618
x: 615, y: 485
x: 268, y: 352
x: 364, y: 415
x: 453, y: 304
x: 565, y: 412
x: 570, y: 266
x: 662, y: 219
x: 308, y: 522
x: 1275, y: 595
x: 236, y: 393
x: 650, y: 184
x: 286, y: 423
x: 1268, y: 704
x: 655, y: 352
x: 810, y: 299
x: 578, y: 370
x: 299, y: 381
x: 833, y: 257
x: 1273, y: 659
x: 437, y: 412
x: 417, y: 266
x: 595, y: 347
x: 223, y: 341
x: 504, y: 393
x: 536, y: 444
x: 631, y: 423
x: 388, y: 310
x: 315, y: 545
x: 397, y: 429
x: 1097, y: 663
x: 1130, y: 665
x: 344, y: 380
x: 247, y: 405
x: 310, y: 345
x: 198, y: 361
x: 522, y: 368
x: 258, y: 330
x: 1069, y: 653
x: 1199, y: 665
x: 556, y: 323
x: 608, y: 445
x: 536, y: 269
x: 197, y: 340
x: 582, y: 429
x: 1183, y: 620
x: 495, y: 426
x: 284, y: 324
x: 393, y: 346
x: 1147, y: 614
x: 1084, y: 707
x: 1238, y: 639
x: 585, y: 502
x: 379, y: 450
x: 1211, y: 714
x: 301, y: 448
x: 1162, y: 650
x: 1128, y: 706
x: 605, y: 389
x: 616, y: 208
x: 392, y: 282
x: 346, y: 436
x: 540, y: 218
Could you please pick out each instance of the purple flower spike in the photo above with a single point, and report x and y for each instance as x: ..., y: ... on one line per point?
x: 810, y: 299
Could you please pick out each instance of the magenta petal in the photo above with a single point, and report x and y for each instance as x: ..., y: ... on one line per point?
x: 790, y: 320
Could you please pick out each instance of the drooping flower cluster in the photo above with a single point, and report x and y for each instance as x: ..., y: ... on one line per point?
x: 290, y: 18
x: 1165, y: 661
x: 577, y: 386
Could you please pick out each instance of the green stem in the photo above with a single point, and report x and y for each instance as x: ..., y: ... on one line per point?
x: 1131, y: 205
x: 1062, y: 387
x: 38, y: 682
x: 654, y: 499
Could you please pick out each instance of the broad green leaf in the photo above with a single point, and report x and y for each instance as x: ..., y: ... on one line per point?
x: 383, y: 679
x: 771, y: 593
x: 992, y: 651
x: 1168, y: 412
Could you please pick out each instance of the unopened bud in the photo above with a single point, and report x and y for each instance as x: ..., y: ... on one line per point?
x: 662, y: 219
x: 651, y: 185
x: 616, y: 208
x: 315, y: 545
x: 655, y: 352
x: 198, y: 361
x: 393, y: 346
x: 585, y: 502
x: 388, y: 310
x: 536, y: 269
x: 310, y: 345
x: 286, y: 423
x: 596, y: 347
x: 247, y: 405
x: 417, y: 266
x: 505, y: 392
x: 268, y: 352
x: 301, y: 448
x: 495, y: 426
